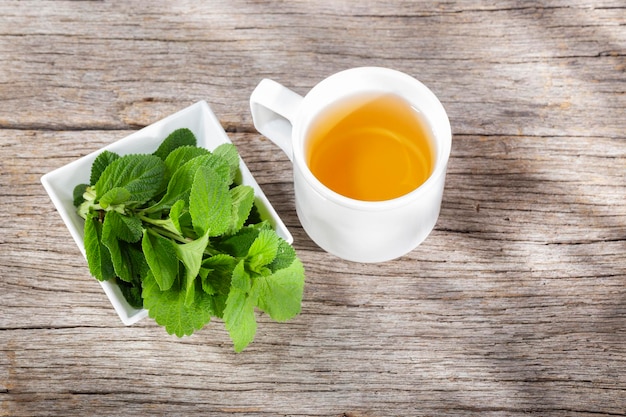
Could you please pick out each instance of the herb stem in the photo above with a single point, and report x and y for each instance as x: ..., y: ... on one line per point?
x: 87, y: 206
x: 157, y: 229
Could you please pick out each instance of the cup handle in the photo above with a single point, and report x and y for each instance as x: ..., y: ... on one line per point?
x: 274, y: 107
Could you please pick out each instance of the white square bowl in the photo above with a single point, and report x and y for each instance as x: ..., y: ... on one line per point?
x: 209, y: 133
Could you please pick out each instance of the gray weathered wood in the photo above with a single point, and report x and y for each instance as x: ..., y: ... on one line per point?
x: 516, y: 303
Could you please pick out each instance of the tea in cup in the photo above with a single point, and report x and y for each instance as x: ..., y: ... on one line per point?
x: 369, y: 148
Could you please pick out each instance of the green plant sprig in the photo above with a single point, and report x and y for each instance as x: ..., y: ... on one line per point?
x: 185, y: 241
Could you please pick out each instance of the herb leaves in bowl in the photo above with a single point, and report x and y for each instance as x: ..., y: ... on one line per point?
x: 185, y: 241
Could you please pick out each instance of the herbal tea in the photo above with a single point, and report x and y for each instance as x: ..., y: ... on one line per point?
x: 370, y: 147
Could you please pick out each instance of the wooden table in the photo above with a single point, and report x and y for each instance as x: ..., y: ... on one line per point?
x: 514, y: 305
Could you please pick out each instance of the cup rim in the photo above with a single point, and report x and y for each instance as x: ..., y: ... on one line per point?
x: 442, y: 134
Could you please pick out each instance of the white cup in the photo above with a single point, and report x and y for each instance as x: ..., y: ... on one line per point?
x: 360, y: 231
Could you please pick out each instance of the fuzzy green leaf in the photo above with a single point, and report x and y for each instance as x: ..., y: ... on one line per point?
x: 238, y: 315
x: 161, y: 257
x: 98, y: 256
x: 100, y: 163
x: 238, y: 244
x: 141, y: 175
x: 126, y: 228
x: 176, y: 212
x: 119, y: 258
x: 280, y: 294
x: 131, y: 292
x: 77, y: 194
x: 138, y: 262
x: 263, y: 251
x: 190, y: 254
x: 242, y: 197
x: 170, y: 309
x: 129, y: 261
x: 179, y: 186
x: 219, y: 164
x: 117, y: 231
x: 209, y: 203
x: 228, y: 152
x: 285, y: 255
x: 176, y: 139
x: 182, y: 155
x: 216, y: 281
x: 115, y: 196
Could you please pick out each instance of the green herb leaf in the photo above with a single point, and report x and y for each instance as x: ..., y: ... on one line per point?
x: 190, y: 254
x: 127, y: 228
x: 209, y: 203
x: 77, y: 194
x: 176, y: 213
x: 217, y: 278
x: 115, y: 196
x: 285, y: 255
x: 128, y: 261
x: 102, y: 161
x: 182, y: 155
x: 131, y: 292
x: 238, y: 315
x: 139, y: 266
x: 170, y: 309
x: 228, y: 152
x: 119, y: 258
x: 280, y: 294
x: 117, y: 231
x: 263, y: 251
x: 179, y: 186
x: 238, y: 244
x: 176, y: 139
x: 242, y: 197
x: 98, y: 256
x: 161, y: 257
x: 217, y: 163
x: 141, y: 175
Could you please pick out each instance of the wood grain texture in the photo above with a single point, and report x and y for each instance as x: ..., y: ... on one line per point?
x: 516, y: 303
